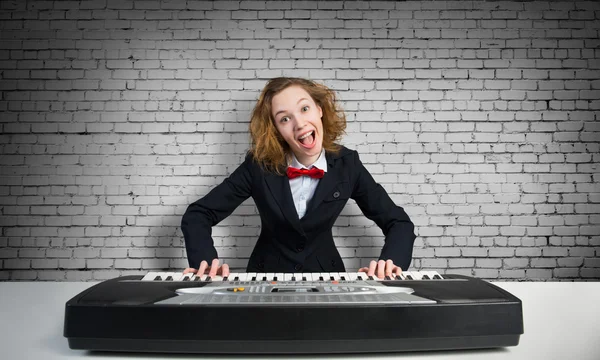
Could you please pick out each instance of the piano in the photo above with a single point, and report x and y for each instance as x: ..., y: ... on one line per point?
x: 292, y: 313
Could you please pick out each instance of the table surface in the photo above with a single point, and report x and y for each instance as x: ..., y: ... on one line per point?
x: 561, y: 320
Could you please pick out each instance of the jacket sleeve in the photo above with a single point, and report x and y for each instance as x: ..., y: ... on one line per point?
x: 376, y: 205
x: 203, y: 214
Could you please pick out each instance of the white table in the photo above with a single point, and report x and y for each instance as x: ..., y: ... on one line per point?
x: 562, y: 321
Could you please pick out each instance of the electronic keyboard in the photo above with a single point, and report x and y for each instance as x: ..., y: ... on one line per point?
x: 292, y: 313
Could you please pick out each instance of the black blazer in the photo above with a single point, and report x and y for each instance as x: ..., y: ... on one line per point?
x: 287, y: 243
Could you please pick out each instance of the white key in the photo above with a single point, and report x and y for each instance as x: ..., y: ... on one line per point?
x: 435, y: 273
x: 354, y: 276
x: 300, y: 276
x: 393, y: 276
x: 150, y: 276
x: 270, y: 276
x: 417, y: 275
x: 260, y: 276
x: 427, y: 274
x: 324, y: 275
x: 344, y: 275
x: 335, y: 275
x: 213, y: 278
x: 250, y: 276
x: 243, y: 276
x: 163, y: 275
x: 406, y: 274
x: 232, y: 276
x: 287, y: 277
x: 166, y: 274
x: 280, y: 276
x: 185, y: 277
x: 177, y: 276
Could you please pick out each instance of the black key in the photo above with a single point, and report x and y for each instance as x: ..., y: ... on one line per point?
x: 157, y: 278
x: 208, y: 279
x: 331, y: 278
x: 275, y: 278
x: 225, y: 278
x: 293, y: 278
x: 437, y: 277
x: 169, y: 278
x: 359, y: 277
x: 254, y: 278
x: 342, y: 278
x: 237, y: 278
x: 409, y: 277
x: 304, y: 278
x: 197, y: 278
x: 371, y: 278
x: 321, y: 278
x: 425, y: 277
x: 185, y: 278
x: 388, y: 278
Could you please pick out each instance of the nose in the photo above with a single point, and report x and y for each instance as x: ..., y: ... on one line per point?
x: 301, y: 121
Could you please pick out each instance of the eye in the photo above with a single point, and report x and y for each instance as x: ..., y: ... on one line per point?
x: 305, y: 108
x: 284, y: 119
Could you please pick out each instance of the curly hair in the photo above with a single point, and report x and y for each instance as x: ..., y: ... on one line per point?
x: 268, y: 148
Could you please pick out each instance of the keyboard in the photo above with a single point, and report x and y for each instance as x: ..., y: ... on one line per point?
x: 179, y: 276
x: 292, y: 313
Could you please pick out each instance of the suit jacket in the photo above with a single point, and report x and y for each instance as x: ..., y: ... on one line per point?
x: 287, y: 243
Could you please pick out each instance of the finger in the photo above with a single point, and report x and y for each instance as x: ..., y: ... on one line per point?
x: 398, y: 271
x: 214, y: 267
x: 225, y: 270
x: 202, y: 268
x: 389, y: 267
x: 363, y: 269
x: 189, y: 270
x: 372, y: 267
x: 380, y: 269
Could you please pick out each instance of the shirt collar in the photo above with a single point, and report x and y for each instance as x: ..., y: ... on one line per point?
x: 321, y: 162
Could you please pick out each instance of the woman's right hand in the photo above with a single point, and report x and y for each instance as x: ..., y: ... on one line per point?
x: 213, y: 270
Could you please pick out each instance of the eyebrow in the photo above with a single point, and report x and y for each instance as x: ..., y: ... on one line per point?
x: 281, y: 111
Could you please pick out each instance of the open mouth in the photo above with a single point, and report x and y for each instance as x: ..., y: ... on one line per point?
x: 308, y: 139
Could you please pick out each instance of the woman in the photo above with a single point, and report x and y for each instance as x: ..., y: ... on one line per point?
x: 300, y: 180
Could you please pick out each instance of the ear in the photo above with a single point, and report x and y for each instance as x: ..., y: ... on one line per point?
x: 320, y: 111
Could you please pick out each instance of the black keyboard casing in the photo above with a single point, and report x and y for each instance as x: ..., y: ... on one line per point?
x: 121, y: 315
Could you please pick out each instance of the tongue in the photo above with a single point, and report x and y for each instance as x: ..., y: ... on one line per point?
x: 308, y: 140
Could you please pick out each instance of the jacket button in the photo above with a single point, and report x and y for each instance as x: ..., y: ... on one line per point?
x: 298, y: 267
x: 336, y: 194
x: 261, y: 265
x: 332, y: 262
x: 300, y: 248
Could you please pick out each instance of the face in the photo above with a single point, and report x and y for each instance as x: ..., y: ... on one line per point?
x: 298, y: 119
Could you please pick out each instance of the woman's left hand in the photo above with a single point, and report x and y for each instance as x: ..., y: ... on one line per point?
x: 381, y: 269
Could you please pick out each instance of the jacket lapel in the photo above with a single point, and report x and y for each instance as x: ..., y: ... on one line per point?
x: 279, y: 185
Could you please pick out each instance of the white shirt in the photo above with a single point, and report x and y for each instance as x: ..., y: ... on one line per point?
x: 303, y: 187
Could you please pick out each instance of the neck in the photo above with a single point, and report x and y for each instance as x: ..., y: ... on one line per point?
x: 307, y: 160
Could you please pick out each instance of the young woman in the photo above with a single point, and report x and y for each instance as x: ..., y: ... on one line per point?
x: 300, y: 180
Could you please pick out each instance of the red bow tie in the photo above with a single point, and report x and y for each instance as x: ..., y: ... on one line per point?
x: 314, y: 173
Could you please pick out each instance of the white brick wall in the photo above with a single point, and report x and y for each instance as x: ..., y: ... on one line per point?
x: 481, y: 118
